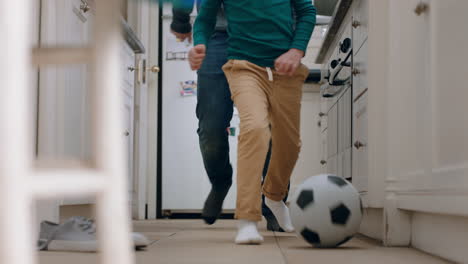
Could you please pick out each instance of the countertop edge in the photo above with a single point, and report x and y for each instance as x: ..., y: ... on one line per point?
x: 337, y: 19
x: 130, y: 36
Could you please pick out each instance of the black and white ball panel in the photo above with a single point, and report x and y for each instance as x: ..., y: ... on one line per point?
x: 328, y: 206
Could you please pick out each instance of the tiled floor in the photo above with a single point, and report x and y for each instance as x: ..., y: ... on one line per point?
x: 190, y: 241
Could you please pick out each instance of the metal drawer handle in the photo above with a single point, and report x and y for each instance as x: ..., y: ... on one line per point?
x: 421, y: 8
x: 323, y: 162
x: 355, y: 72
x: 322, y: 114
x: 356, y: 24
x: 84, y: 7
x: 319, y: 123
x: 359, y: 144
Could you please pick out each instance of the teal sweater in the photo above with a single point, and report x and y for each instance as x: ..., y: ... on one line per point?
x: 259, y: 30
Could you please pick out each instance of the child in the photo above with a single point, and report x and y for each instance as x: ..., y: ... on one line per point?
x: 265, y: 77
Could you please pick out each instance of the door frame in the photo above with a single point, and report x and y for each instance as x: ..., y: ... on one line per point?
x: 143, y: 17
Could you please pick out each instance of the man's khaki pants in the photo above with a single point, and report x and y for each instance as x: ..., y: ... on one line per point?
x: 263, y: 99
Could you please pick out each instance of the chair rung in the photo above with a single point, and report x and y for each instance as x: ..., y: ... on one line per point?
x: 50, y: 183
x: 61, y: 55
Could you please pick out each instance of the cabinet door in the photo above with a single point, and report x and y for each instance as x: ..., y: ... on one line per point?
x: 409, y: 91
x: 360, y: 24
x: 428, y: 128
x: 359, y: 71
x: 322, y: 116
x: 344, y: 121
x: 332, y: 165
x: 339, y: 164
x: 347, y: 118
x: 347, y: 173
x: 324, y: 155
x: 432, y: 85
x: 332, y: 131
x: 449, y: 92
x: 360, y: 148
x: 127, y: 58
x: 341, y: 128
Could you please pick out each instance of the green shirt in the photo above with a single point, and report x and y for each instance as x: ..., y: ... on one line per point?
x: 259, y: 30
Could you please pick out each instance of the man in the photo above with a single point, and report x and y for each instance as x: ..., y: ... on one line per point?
x: 265, y: 77
x: 214, y: 111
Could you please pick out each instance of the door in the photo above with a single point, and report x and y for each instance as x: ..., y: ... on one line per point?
x: 143, y: 19
x: 150, y: 185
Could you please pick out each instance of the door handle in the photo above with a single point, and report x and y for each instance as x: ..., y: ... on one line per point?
x: 355, y: 71
x: 323, y: 162
x: 154, y: 69
x: 359, y: 144
x: 356, y: 24
x: 84, y: 7
x: 421, y: 8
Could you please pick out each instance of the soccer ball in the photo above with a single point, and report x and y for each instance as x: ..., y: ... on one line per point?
x: 326, y: 210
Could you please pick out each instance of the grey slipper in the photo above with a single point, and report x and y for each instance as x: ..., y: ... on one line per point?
x: 76, y: 234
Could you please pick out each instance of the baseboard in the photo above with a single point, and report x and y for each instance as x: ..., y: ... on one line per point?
x: 372, y: 223
x: 441, y: 235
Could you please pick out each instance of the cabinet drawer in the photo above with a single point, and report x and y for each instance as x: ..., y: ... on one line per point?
x: 360, y: 69
x: 127, y: 61
x: 323, y: 146
x: 344, y: 164
x: 322, y: 116
x: 332, y: 166
x: 360, y: 24
x: 344, y: 120
x: 332, y: 134
x: 323, y: 123
x: 339, y: 164
x: 347, y: 173
x: 360, y: 148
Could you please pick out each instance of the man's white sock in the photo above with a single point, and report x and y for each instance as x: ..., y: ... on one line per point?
x: 247, y: 233
x: 281, y: 212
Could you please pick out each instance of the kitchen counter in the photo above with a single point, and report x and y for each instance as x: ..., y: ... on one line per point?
x: 131, y: 37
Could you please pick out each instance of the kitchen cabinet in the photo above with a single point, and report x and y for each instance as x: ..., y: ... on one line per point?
x: 431, y: 152
x: 360, y: 170
x: 127, y: 57
x: 409, y: 127
x: 324, y: 151
x: 344, y: 120
x: 332, y: 165
x: 360, y: 71
x: 360, y: 23
x: 332, y: 135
